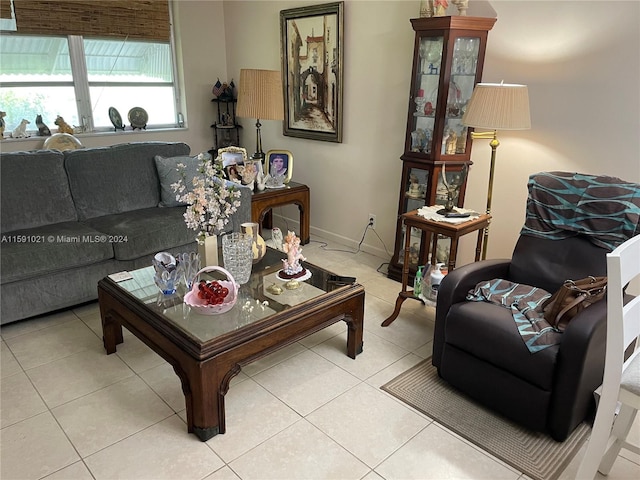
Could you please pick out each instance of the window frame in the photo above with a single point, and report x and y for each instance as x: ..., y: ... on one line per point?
x: 81, y: 85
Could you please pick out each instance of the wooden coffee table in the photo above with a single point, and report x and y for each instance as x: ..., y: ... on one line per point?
x: 207, y: 351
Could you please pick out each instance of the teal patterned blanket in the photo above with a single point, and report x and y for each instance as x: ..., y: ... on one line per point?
x: 561, y: 205
x: 525, y: 303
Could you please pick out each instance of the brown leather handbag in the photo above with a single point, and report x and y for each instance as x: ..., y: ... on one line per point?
x: 573, y: 297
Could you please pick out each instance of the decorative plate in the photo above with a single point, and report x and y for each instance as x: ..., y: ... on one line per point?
x: 116, y: 119
x: 62, y: 141
x: 138, y: 117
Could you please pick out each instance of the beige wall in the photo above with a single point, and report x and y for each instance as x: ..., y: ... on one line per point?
x: 581, y: 61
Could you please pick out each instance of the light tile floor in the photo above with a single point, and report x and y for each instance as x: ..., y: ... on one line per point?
x: 68, y: 411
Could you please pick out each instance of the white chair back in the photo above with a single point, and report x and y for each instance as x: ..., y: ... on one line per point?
x: 623, y: 330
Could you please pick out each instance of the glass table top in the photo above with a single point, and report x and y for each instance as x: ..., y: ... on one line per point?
x: 255, y: 300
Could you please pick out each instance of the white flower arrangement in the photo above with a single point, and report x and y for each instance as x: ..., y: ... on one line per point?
x: 211, y: 202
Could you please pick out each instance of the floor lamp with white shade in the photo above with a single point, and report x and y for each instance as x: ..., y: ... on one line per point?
x: 496, y: 106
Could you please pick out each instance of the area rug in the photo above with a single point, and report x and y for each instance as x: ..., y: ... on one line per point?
x: 533, y: 453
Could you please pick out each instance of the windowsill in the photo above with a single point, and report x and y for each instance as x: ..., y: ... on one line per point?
x: 97, y: 134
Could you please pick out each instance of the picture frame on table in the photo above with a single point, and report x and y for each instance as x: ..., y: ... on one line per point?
x: 279, y: 162
x: 312, y: 54
x: 231, y: 158
x: 232, y: 155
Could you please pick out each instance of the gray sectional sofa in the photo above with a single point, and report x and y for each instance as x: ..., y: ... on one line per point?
x: 70, y: 218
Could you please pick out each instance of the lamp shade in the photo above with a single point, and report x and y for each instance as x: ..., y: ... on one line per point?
x: 498, y: 106
x: 260, y: 95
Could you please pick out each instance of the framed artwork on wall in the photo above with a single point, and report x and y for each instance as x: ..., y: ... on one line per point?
x: 279, y: 165
x: 312, y: 71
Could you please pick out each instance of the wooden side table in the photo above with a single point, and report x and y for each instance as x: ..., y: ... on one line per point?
x: 452, y: 230
x: 293, y: 193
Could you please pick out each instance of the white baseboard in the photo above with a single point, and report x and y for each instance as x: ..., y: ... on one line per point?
x: 324, y: 235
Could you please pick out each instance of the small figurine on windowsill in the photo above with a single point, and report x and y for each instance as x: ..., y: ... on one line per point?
x: 2, y: 124
x: 63, y: 127
x: 291, y: 267
x: 21, y: 130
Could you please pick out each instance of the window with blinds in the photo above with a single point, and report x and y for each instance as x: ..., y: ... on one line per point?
x: 79, y: 58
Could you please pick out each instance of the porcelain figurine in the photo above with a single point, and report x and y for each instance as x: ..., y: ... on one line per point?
x: 451, y: 143
x: 21, y: 130
x: 276, y: 239
x: 43, y: 130
x: 426, y: 8
x: 2, y: 124
x: 462, y: 6
x: 291, y: 247
x: 261, y: 181
x: 440, y: 8
x: 63, y: 127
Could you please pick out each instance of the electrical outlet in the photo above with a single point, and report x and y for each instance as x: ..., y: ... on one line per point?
x: 372, y: 221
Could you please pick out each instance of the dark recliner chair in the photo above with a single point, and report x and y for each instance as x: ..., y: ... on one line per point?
x: 477, y: 347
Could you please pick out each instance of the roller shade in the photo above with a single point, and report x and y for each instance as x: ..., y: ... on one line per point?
x: 136, y: 19
x: 5, y: 9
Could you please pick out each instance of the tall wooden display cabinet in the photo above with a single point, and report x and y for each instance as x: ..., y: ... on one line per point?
x: 447, y: 63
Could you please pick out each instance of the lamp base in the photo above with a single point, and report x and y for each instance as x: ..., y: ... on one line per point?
x: 444, y: 211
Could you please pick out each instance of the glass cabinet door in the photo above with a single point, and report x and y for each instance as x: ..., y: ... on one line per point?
x: 426, y: 94
x: 455, y: 179
x: 462, y: 80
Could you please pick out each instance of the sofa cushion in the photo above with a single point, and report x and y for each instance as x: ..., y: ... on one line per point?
x: 143, y: 232
x: 116, y: 179
x: 168, y: 174
x: 52, y: 248
x: 477, y: 328
x: 29, y: 182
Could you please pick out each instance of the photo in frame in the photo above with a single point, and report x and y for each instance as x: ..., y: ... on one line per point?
x: 231, y: 158
x: 312, y: 71
x: 279, y: 163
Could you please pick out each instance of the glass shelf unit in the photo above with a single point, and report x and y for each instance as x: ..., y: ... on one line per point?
x: 448, y: 58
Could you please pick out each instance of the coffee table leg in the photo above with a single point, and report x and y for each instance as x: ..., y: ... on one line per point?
x: 111, y: 333
x: 204, y: 389
x: 355, y: 323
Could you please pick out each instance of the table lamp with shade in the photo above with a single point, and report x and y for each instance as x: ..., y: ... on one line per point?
x: 260, y: 97
x: 496, y: 106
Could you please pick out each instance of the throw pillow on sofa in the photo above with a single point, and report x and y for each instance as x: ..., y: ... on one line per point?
x: 168, y: 173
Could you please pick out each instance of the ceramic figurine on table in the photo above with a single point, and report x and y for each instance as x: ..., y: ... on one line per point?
x: 21, y: 130
x: 291, y: 267
x: 276, y: 241
x: 261, y: 181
